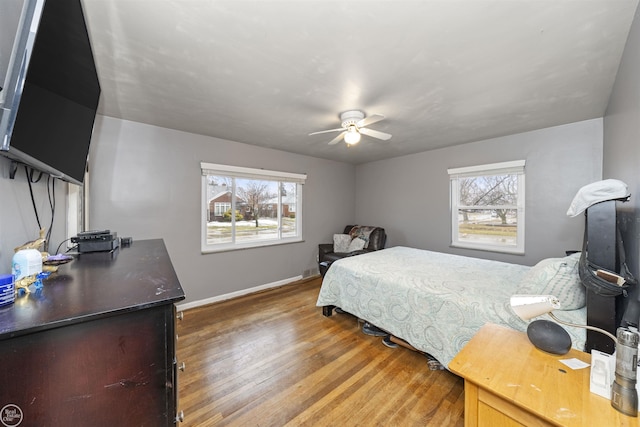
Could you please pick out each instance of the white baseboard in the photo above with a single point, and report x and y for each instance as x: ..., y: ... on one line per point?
x: 199, y: 303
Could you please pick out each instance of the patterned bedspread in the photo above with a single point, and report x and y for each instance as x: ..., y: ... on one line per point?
x: 434, y: 301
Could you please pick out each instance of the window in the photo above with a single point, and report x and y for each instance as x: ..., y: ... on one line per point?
x: 487, y: 207
x: 245, y: 207
x: 220, y: 208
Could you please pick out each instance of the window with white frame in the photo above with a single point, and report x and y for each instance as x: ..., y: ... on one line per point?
x: 487, y: 207
x: 247, y: 207
x: 219, y: 208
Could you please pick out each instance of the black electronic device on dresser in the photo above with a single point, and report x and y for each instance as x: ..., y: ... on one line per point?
x: 96, y: 241
x: 96, y: 345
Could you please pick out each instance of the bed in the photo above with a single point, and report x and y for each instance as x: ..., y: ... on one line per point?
x: 436, y: 302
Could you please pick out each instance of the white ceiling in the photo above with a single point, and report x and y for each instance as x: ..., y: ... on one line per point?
x: 270, y: 72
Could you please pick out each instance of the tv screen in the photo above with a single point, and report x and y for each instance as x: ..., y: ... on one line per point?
x: 52, y: 126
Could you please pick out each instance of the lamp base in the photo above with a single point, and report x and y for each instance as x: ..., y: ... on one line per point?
x: 549, y: 336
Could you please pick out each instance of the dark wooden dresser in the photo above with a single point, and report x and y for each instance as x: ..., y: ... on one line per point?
x: 96, y: 345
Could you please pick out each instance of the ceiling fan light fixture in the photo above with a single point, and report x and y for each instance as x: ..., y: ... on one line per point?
x: 354, y: 124
x: 352, y: 136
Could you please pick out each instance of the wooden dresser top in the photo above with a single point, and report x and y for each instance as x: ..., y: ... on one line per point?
x: 95, y: 285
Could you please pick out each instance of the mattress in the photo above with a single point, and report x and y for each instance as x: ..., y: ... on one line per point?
x: 434, y: 301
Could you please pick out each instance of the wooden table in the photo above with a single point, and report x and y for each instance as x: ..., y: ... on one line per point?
x: 509, y: 382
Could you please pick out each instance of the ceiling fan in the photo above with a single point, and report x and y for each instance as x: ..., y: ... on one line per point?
x: 353, y: 124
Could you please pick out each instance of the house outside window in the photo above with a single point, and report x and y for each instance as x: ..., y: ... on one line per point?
x: 487, y: 207
x: 246, y: 207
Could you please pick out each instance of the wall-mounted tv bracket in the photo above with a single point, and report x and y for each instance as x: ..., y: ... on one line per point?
x: 13, y: 168
x: 28, y: 170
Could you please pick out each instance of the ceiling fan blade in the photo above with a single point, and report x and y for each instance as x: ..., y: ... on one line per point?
x: 337, y: 138
x: 375, y: 133
x: 325, y: 131
x: 374, y: 118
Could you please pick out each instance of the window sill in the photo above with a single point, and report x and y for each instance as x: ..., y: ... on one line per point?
x: 488, y: 248
x: 252, y: 245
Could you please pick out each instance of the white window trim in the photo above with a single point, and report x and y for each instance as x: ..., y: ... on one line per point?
x: 251, y: 173
x: 247, y: 173
x: 516, y: 166
x: 513, y: 167
x: 77, y: 209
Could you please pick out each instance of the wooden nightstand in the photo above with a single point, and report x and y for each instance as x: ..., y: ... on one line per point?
x: 509, y: 382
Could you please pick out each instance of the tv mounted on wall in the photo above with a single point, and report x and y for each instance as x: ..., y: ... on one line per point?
x: 51, y: 89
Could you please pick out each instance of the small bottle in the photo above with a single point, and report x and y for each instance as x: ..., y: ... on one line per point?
x: 7, y: 289
x: 26, y: 262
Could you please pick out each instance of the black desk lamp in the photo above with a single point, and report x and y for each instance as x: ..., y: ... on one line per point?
x: 544, y: 334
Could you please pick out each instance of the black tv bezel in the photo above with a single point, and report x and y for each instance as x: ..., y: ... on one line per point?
x: 56, y: 74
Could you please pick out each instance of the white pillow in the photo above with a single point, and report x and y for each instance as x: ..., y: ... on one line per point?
x: 356, y: 244
x: 341, y: 243
x: 558, y: 277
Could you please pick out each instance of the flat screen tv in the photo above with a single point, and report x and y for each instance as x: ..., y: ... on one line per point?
x: 51, y: 91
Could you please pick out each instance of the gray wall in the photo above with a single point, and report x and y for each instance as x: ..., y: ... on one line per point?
x: 622, y: 142
x: 409, y: 195
x: 17, y: 218
x: 145, y: 183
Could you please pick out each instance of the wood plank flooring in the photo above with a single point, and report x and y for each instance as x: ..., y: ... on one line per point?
x: 273, y: 359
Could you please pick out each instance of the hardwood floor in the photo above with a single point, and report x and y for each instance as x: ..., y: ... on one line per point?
x: 273, y: 359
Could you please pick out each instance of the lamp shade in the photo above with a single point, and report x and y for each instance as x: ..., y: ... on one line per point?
x: 352, y: 136
x: 529, y: 306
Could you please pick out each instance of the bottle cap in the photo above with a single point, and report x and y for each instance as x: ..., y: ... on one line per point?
x: 6, y: 279
x: 627, y: 337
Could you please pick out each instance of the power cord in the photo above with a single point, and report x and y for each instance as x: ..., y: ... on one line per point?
x: 62, y: 243
x: 33, y: 200
x: 51, y: 194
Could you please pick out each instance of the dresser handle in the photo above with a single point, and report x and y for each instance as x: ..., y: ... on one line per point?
x: 180, y: 315
x: 182, y: 366
x: 180, y: 416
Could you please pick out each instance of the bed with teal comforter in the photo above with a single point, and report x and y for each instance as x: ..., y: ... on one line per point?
x: 436, y: 302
